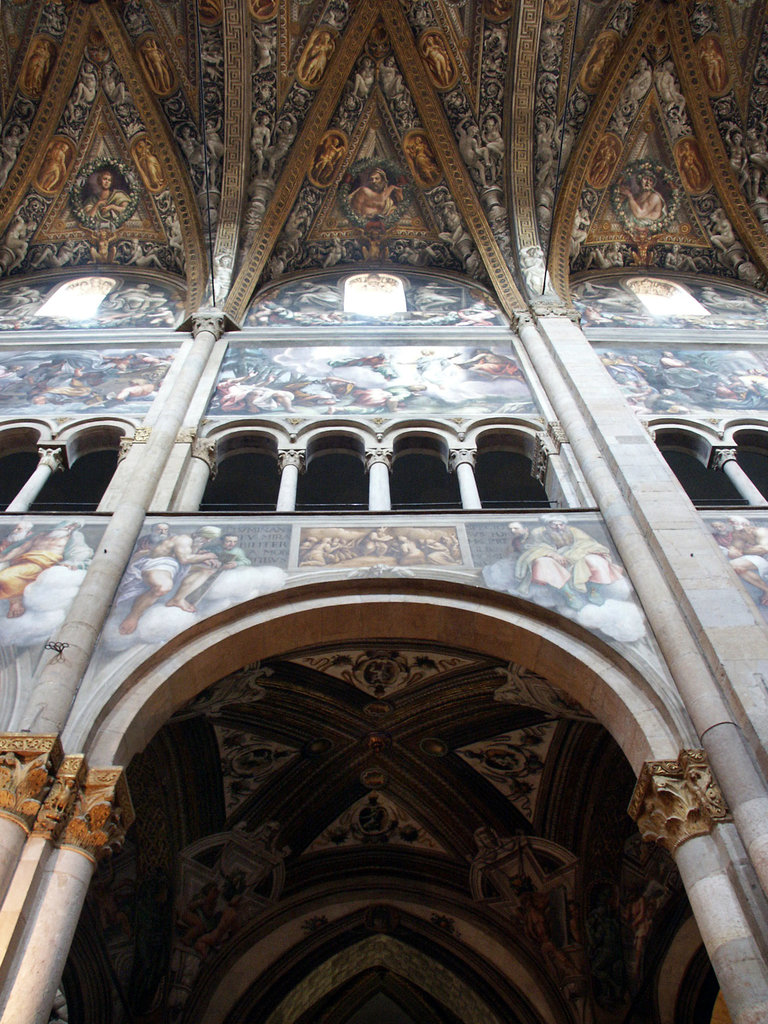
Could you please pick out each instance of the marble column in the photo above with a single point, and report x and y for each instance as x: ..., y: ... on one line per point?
x: 51, y: 461
x: 462, y: 463
x: 31, y: 763
x: 56, y: 681
x: 725, y: 460
x: 378, y: 463
x: 290, y: 461
x: 594, y: 414
x: 676, y: 804
x: 201, y: 469
x: 101, y: 816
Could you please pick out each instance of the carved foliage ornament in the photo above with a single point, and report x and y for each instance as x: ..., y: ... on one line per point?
x: 102, y: 815
x: 60, y: 802
x: 27, y: 766
x: 677, y: 800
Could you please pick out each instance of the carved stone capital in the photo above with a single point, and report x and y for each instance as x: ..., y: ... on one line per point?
x: 186, y: 435
x: 51, y: 458
x: 102, y: 815
x: 27, y: 766
x: 126, y: 443
x: 60, y: 802
x: 204, y: 448
x: 291, y: 457
x: 378, y: 455
x: 522, y: 318
x: 211, y: 321
x: 462, y: 457
x: 540, y: 461
x: 720, y: 456
x: 677, y: 800
x: 556, y: 435
x: 552, y: 307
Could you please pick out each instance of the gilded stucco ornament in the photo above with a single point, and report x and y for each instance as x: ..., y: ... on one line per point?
x: 677, y: 800
x: 27, y: 766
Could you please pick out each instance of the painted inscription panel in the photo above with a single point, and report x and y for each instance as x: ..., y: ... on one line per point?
x: 370, y: 381
x: 81, y: 380
x: 689, y: 380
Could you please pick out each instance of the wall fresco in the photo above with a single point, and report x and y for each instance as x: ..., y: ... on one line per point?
x: 612, y: 303
x: 81, y: 380
x: 42, y: 564
x: 127, y: 303
x: 370, y: 381
x: 689, y: 380
x: 319, y: 302
x: 743, y: 540
x: 186, y: 570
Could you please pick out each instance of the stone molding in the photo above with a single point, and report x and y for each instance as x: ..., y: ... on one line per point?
x: 101, y: 816
x: 52, y: 458
x: 378, y: 455
x: 186, y: 435
x: 28, y: 765
x: 291, y: 457
x: 557, y: 435
x: 677, y: 800
x: 126, y: 443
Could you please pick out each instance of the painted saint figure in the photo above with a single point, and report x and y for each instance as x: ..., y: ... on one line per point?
x: 25, y: 555
x: 149, y: 165
x: 106, y: 203
x: 374, y: 196
x: 438, y: 59
x: 646, y: 204
x: 156, y: 67
x: 55, y: 166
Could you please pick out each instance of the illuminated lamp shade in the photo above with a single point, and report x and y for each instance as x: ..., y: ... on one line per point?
x: 77, y: 300
x: 374, y: 295
x: 666, y: 298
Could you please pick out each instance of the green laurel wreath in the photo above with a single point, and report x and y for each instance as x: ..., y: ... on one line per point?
x: 394, y: 173
x: 77, y: 201
x: 671, y: 197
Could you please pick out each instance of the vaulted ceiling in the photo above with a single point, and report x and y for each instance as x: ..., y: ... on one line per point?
x: 244, y: 142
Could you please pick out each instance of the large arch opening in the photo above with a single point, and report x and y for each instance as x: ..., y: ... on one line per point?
x: 381, y: 767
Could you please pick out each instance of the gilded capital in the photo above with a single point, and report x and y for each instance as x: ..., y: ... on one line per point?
x: 60, y: 802
x: 677, y: 800
x: 51, y: 458
x: 211, y: 321
x: 291, y: 457
x: 102, y: 814
x: 27, y: 767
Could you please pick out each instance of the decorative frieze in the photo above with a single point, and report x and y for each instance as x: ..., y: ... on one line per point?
x: 551, y: 307
x: 102, y: 814
x: 677, y: 800
x: 60, y: 802
x: 27, y: 767
x: 556, y: 435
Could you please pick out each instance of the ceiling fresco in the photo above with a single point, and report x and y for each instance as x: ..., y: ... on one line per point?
x: 228, y: 146
x: 468, y: 779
